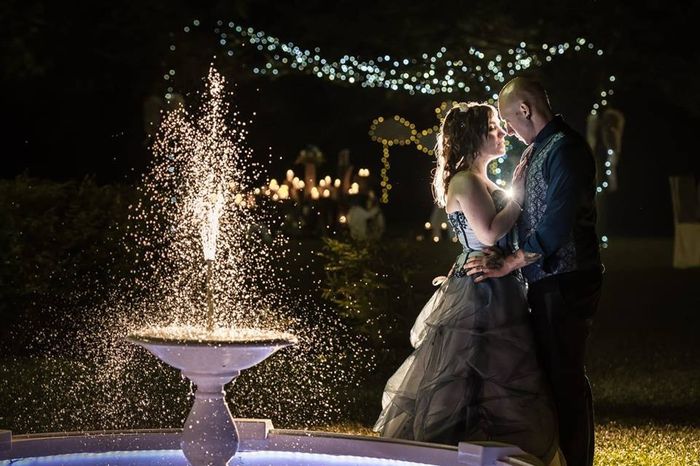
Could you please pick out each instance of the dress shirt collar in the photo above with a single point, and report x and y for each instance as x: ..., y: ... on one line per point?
x: 554, y: 125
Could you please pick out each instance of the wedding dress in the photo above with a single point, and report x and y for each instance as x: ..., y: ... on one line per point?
x: 473, y: 374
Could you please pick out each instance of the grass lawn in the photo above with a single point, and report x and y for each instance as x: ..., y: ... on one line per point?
x: 620, y: 445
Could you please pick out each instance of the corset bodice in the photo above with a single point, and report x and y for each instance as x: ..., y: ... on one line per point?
x: 466, y: 236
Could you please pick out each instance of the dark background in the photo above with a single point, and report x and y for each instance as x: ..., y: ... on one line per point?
x: 75, y: 76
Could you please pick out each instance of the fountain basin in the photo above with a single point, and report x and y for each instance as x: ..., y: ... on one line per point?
x: 210, y: 359
x: 222, y: 352
x: 260, y: 444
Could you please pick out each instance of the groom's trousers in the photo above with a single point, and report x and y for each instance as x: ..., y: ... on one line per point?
x: 562, y: 307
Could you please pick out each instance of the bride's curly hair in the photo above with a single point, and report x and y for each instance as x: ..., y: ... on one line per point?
x: 462, y: 133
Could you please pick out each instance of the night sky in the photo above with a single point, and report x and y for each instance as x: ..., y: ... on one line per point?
x: 75, y: 76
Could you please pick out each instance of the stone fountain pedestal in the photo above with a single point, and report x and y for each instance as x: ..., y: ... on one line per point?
x: 210, y: 436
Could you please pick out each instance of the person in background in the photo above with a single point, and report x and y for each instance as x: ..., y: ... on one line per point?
x: 365, y: 218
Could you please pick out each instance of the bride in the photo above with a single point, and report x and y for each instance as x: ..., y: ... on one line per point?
x: 473, y: 374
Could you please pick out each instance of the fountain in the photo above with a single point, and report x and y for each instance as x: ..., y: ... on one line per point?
x: 209, y: 356
x: 199, y: 192
x: 211, y: 360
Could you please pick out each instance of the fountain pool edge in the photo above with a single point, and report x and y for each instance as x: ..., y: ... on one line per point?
x: 259, y: 435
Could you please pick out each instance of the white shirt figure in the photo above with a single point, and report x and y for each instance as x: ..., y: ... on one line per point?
x: 364, y: 223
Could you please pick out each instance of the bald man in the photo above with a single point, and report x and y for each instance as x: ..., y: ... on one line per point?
x: 558, y: 254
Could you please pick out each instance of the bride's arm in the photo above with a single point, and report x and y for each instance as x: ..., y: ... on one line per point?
x: 477, y: 205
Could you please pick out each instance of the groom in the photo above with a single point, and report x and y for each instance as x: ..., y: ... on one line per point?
x: 558, y: 254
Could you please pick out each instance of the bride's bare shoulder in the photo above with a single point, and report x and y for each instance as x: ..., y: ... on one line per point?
x: 465, y: 181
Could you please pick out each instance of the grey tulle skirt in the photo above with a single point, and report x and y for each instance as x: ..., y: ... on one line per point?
x: 473, y: 374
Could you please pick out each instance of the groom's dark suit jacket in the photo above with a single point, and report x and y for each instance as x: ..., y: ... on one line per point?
x: 559, y: 214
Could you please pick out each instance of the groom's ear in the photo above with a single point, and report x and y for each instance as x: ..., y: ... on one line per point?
x: 526, y: 110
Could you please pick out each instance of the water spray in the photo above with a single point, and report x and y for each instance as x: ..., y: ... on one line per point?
x: 210, y: 298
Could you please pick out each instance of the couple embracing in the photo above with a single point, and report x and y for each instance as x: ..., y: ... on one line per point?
x: 499, y: 348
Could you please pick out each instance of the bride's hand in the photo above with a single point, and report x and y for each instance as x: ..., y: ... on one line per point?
x: 517, y: 188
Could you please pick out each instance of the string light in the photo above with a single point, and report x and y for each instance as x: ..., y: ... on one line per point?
x: 429, y: 74
x: 443, y: 71
x: 398, y: 131
x: 468, y: 69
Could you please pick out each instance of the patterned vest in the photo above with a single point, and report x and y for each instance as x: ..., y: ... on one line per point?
x: 564, y: 259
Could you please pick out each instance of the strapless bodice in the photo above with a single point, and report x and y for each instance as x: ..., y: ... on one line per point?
x: 466, y: 236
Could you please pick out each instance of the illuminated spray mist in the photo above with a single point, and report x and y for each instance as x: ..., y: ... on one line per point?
x: 216, y: 273
x: 207, y: 266
x: 210, y: 265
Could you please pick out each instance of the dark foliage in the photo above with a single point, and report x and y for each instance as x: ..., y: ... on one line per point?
x: 370, y: 283
x: 60, y: 249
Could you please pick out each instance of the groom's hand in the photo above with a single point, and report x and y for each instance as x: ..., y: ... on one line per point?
x: 519, y: 173
x: 491, y: 264
x: 494, y: 264
x: 517, y: 186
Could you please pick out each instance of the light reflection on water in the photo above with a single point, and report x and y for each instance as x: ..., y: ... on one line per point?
x: 176, y: 458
